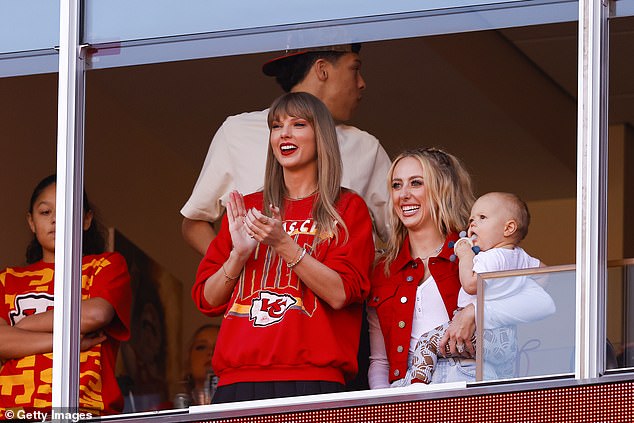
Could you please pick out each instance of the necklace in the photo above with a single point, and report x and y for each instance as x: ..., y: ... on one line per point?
x: 304, y: 196
x: 433, y: 253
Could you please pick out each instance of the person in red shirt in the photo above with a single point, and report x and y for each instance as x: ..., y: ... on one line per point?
x: 26, y: 316
x: 290, y: 267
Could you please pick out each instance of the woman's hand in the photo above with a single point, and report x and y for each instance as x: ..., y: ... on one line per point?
x: 243, y: 243
x: 459, y: 333
x: 264, y: 229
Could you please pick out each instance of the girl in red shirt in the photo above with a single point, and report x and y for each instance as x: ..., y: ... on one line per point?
x: 26, y: 316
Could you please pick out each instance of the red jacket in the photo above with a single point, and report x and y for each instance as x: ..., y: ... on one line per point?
x: 394, y: 297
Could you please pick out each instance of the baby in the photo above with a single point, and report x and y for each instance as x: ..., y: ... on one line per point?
x: 498, y: 222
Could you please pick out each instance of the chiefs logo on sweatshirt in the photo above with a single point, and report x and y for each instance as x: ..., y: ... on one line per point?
x: 269, y: 288
x: 269, y: 308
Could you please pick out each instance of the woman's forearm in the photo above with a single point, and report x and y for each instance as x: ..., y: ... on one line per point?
x: 18, y: 343
x: 322, y: 280
x: 96, y: 313
x: 378, y: 373
x: 220, y: 285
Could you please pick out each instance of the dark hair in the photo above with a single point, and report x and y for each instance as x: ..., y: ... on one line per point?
x: 93, y: 241
x: 298, y: 66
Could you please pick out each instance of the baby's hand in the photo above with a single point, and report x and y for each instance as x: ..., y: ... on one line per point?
x: 463, y: 247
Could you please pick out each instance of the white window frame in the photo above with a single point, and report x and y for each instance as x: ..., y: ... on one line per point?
x: 591, y: 170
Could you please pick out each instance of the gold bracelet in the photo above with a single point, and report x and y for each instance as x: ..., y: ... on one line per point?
x: 229, y: 278
x: 296, y: 262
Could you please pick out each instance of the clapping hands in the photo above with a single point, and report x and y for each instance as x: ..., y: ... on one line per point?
x: 243, y: 242
x: 249, y: 227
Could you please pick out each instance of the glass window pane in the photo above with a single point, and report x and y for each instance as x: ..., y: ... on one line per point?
x: 123, y: 20
x: 528, y: 324
x: 28, y: 25
x: 620, y: 288
x: 620, y: 322
x: 501, y: 100
x: 28, y: 117
x: 113, y: 50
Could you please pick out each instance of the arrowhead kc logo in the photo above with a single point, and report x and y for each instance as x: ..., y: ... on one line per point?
x: 269, y: 308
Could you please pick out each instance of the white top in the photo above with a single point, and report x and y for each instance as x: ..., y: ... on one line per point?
x: 496, y: 260
x: 429, y: 312
x: 237, y: 158
x: 512, y: 300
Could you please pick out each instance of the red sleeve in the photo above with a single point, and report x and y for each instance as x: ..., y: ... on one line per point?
x: 112, y: 283
x: 352, y: 259
x: 216, y: 255
x: 4, y: 307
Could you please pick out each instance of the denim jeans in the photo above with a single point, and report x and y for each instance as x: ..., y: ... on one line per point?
x: 454, y: 370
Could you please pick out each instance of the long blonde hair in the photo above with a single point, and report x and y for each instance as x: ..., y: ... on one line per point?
x: 306, y: 106
x: 449, y: 196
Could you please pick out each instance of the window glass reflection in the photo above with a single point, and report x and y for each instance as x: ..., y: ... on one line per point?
x: 542, y: 341
x: 502, y: 101
x: 620, y: 291
x: 28, y: 25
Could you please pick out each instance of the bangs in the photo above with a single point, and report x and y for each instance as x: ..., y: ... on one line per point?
x: 292, y: 106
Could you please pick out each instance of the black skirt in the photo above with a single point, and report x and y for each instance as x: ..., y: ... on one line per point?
x: 246, y: 391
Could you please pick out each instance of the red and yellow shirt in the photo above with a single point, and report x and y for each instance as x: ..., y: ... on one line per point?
x: 25, y: 383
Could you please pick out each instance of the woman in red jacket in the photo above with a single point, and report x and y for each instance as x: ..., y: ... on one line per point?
x: 415, y: 285
x: 290, y: 267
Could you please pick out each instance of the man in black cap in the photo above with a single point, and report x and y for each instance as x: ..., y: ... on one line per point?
x: 237, y: 154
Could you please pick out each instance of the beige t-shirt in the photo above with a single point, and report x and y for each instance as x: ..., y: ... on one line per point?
x: 237, y: 157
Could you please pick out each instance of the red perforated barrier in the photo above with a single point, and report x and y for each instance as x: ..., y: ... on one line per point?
x: 589, y: 403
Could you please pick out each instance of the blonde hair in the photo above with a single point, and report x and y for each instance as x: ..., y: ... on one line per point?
x: 306, y: 106
x: 449, y: 196
x: 518, y: 210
